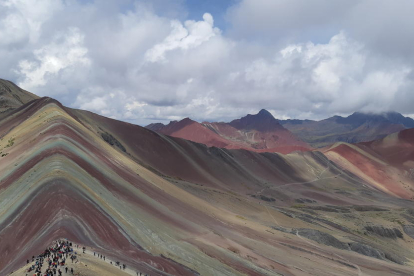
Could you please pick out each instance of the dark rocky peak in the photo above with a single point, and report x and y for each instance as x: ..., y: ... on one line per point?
x: 262, y: 121
x: 174, y: 126
x: 398, y: 118
x: 359, y: 118
x: 264, y: 114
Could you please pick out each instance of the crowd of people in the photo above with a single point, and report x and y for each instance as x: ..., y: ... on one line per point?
x: 54, y: 259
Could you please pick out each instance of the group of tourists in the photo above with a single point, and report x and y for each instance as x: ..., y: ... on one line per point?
x: 54, y: 258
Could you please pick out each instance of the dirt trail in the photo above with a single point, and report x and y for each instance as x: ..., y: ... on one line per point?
x: 107, y: 260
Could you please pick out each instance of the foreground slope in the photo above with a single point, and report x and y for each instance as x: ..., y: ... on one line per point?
x: 168, y: 206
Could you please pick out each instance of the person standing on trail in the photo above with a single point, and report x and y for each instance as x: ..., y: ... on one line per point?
x: 71, y: 270
x: 66, y: 269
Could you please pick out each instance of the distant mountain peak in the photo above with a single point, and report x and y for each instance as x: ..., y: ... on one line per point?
x: 173, y: 126
x: 264, y: 113
x: 155, y: 126
x: 262, y: 121
x: 393, y: 117
x: 186, y: 120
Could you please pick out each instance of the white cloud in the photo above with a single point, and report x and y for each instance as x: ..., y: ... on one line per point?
x: 28, y: 16
x: 134, y: 105
x: 339, y: 76
x: 13, y: 30
x: 190, y: 35
x: 65, y: 52
x: 95, y: 104
x: 295, y: 58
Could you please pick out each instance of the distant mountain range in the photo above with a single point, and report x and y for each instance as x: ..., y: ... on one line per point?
x: 358, y: 127
x: 262, y: 132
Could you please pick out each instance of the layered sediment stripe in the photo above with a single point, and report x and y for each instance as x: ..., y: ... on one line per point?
x: 374, y: 171
x: 53, y: 152
x: 56, y: 157
x: 65, y: 210
x: 166, y: 206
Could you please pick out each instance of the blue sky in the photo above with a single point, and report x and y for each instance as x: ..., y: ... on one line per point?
x: 217, y: 8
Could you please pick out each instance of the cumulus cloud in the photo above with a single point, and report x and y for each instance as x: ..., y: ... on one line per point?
x: 13, y: 30
x: 382, y: 25
x: 66, y: 52
x: 191, y: 35
x: 140, y: 62
x: 26, y: 17
x: 339, y: 76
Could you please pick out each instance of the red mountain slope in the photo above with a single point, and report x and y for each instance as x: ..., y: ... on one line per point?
x: 260, y: 133
x: 387, y: 164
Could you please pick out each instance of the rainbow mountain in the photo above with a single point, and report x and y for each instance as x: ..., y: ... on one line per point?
x: 169, y: 206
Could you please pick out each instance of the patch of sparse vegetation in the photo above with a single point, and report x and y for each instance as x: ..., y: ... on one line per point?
x: 10, y: 143
x: 305, y: 200
x: 298, y: 206
x: 241, y: 217
x: 365, y: 208
x: 264, y: 198
x: 112, y: 141
x: 399, y: 221
x: 392, y: 233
